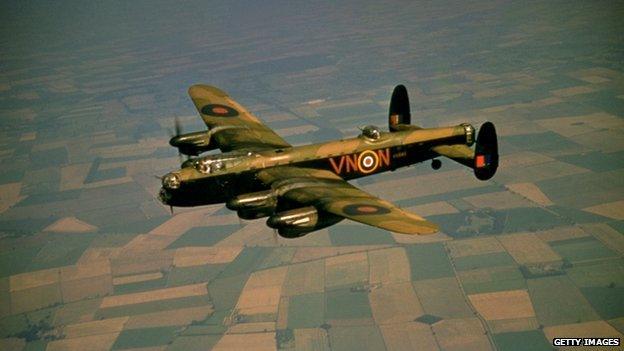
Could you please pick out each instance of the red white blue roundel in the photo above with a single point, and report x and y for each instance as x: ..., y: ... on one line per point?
x: 218, y: 110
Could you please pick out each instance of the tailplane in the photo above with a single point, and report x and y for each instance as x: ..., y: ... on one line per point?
x: 483, y: 160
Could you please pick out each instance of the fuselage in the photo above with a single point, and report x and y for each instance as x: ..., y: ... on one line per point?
x: 218, y: 178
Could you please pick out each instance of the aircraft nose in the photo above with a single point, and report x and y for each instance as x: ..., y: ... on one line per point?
x: 164, y: 196
x: 171, y: 181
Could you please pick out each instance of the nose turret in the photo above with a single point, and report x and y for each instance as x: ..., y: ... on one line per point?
x: 164, y: 196
x: 171, y: 181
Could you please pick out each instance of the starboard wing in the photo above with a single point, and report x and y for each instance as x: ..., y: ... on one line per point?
x: 328, y: 192
x: 231, y: 125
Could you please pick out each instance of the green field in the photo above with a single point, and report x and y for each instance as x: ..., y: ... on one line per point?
x: 442, y: 298
x: 359, y: 235
x: 557, y: 301
x: 141, y: 286
x: 278, y: 257
x: 492, y: 279
x: 306, y: 311
x: 145, y: 337
x: 204, y: 236
x: 347, y: 303
x: 428, y: 261
x: 607, y: 301
x: 195, y: 274
x: 582, y: 249
x: 496, y: 259
x: 366, y: 337
x: 533, y: 340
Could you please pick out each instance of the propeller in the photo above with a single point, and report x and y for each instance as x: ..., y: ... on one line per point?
x: 275, y: 210
x: 177, y: 131
x: 177, y: 126
x: 170, y: 206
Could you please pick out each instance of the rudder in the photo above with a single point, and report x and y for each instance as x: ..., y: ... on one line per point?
x: 399, y: 113
x: 486, y: 152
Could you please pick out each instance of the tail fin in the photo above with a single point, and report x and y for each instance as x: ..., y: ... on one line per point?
x: 486, y: 152
x: 399, y: 108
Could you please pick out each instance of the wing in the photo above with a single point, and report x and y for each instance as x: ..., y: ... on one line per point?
x: 232, y: 127
x: 328, y: 192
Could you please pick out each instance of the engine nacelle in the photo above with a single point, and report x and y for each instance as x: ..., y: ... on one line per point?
x: 252, y: 200
x: 253, y: 205
x: 192, y: 144
x: 301, y: 221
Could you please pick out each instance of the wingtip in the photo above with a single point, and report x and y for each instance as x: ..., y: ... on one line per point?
x: 197, y: 89
x: 412, y: 228
x: 428, y: 228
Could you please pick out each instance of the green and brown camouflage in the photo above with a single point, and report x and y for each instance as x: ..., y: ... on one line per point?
x: 304, y: 188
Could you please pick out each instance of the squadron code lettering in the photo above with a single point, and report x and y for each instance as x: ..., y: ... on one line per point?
x: 364, y: 162
x: 586, y: 342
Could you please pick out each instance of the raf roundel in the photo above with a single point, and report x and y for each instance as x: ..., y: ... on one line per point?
x: 368, y: 161
x: 364, y: 209
x: 218, y: 110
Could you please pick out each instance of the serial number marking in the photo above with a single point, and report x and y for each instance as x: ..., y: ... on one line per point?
x: 399, y: 154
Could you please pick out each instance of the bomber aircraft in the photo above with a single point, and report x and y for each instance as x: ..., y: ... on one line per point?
x: 305, y: 188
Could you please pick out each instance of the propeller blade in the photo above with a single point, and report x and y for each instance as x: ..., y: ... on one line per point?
x: 275, y: 230
x: 171, y: 209
x: 178, y: 127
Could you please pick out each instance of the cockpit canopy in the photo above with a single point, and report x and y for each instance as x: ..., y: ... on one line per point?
x: 217, y: 162
x: 208, y: 166
x: 371, y: 132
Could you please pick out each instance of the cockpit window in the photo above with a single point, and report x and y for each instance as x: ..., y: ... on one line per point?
x: 219, y: 162
x: 203, y: 166
x: 209, y: 166
x: 371, y: 132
